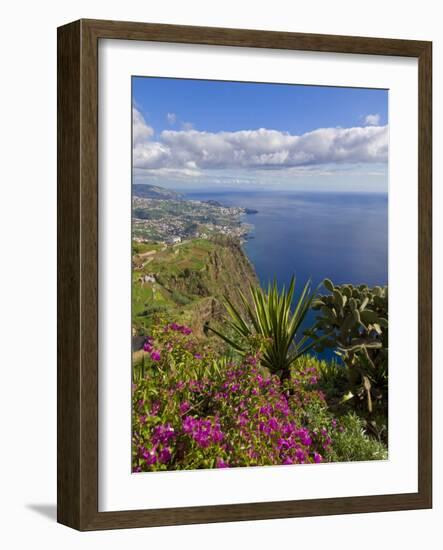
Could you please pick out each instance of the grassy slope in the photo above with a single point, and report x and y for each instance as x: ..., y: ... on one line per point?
x: 191, y: 279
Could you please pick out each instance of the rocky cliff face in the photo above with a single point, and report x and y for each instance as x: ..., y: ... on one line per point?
x: 226, y: 271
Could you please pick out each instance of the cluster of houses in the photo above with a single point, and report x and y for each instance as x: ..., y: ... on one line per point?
x: 173, y: 240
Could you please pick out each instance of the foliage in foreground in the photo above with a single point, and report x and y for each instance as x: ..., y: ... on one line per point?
x: 276, y: 321
x: 354, y: 321
x: 192, y: 410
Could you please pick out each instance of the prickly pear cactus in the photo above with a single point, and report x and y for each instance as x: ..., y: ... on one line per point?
x: 354, y: 321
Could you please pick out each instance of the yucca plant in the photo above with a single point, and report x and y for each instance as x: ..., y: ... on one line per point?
x: 273, y: 317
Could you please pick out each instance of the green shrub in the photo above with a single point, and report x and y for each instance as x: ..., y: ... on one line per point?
x: 180, y: 298
x: 352, y: 443
x: 354, y: 321
x: 275, y: 320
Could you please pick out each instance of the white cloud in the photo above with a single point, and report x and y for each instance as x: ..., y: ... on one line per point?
x: 372, y: 120
x: 171, y: 118
x: 261, y: 149
x: 140, y: 130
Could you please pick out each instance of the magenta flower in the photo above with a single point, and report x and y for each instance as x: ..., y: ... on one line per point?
x: 300, y: 456
x: 273, y: 424
x: 163, y: 433
x: 164, y: 455
x: 180, y: 328
x: 149, y: 455
x: 147, y: 346
x: 220, y: 463
x: 317, y: 458
x: 283, y: 444
x: 204, y: 432
x: 184, y: 407
x: 155, y: 355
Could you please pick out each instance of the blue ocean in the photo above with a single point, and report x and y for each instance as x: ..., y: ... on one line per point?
x: 342, y: 236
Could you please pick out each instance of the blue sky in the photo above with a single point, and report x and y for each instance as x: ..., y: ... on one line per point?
x: 195, y: 133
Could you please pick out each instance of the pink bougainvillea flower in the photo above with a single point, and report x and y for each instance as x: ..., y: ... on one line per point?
x: 164, y: 455
x: 203, y: 431
x: 149, y: 455
x: 163, y: 433
x: 155, y: 355
x: 317, y: 458
x: 220, y: 463
x: 300, y: 455
x: 252, y: 360
x: 148, y: 347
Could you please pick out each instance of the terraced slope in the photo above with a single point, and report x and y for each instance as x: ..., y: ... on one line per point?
x: 186, y: 282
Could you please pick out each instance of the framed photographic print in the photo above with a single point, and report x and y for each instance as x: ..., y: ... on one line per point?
x: 244, y: 275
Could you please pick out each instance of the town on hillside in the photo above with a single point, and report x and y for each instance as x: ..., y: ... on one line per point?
x: 173, y: 220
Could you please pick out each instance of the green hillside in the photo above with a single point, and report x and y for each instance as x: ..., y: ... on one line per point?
x: 185, y: 282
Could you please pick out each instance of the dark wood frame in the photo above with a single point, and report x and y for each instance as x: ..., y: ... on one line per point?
x: 77, y: 456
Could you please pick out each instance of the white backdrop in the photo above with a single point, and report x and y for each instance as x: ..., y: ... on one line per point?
x: 28, y: 276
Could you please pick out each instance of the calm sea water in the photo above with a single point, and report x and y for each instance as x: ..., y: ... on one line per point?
x: 342, y: 236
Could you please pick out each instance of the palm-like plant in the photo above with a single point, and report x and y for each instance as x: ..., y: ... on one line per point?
x: 272, y: 317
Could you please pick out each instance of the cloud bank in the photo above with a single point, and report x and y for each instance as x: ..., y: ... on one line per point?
x: 190, y: 151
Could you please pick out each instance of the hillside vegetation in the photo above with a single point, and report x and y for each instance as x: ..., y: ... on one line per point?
x: 187, y: 282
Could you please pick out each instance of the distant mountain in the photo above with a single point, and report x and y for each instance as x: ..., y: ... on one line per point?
x: 146, y: 191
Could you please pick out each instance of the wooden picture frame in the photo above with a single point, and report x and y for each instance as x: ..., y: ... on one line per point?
x: 78, y: 244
